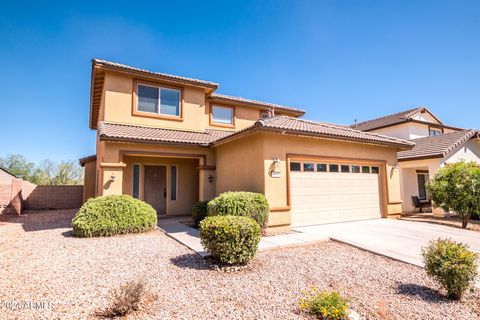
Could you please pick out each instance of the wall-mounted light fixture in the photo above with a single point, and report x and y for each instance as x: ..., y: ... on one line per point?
x: 210, y: 178
x: 275, y: 168
x: 112, y: 178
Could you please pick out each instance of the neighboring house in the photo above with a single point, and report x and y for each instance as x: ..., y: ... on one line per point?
x: 172, y: 141
x: 436, y: 144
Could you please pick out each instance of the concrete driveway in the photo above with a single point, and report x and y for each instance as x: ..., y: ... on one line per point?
x: 397, y: 239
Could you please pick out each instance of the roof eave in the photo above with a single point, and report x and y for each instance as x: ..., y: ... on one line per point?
x: 426, y: 157
x: 259, y: 127
x: 209, y: 86
x: 121, y: 139
x: 298, y: 112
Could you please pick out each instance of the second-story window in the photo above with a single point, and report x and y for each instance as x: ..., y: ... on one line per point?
x: 158, y: 100
x: 222, y: 115
x: 435, y: 132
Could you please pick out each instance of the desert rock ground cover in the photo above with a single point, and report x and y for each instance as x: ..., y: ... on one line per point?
x: 41, y: 261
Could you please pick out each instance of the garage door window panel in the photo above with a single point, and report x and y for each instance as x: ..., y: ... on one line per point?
x: 355, y: 169
x: 295, y: 166
x: 365, y: 169
x: 309, y: 167
x: 333, y: 168
x: 321, y: 167
x: 345, y: 168
x: 375, y: 170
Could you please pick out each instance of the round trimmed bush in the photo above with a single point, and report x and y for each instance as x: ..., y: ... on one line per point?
x: 199, y: 212
x: 230, y: 239
x: 452, y: 265
x: 248, y: 204
x: 114, y: 214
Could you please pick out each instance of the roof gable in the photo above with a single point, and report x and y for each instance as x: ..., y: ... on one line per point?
x: 419, y: 114
x: 437, y: 146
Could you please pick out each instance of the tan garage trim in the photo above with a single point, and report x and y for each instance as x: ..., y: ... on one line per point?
x: 382, y: 164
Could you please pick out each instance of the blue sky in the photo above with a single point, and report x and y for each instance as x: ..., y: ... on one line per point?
x: 340, y: 60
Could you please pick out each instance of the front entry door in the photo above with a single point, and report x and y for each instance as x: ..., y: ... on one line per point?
x: 156, y: 187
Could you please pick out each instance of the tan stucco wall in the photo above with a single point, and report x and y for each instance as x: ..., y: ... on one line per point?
x: 193, y: 181
x: 89, y: 180
x: 245, y: 165
x: 118, y: 105
x: 244, y: 117
x: 240, y: 166
x: 187, y: 177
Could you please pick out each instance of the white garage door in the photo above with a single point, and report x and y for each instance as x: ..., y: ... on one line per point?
x: 326, y: 193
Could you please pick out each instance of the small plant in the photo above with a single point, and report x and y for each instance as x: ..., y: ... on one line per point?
x: 324, y: 305
x: 452, y: 265
x: 248, y: 204
x: 124, y: 299
x: 199, y: 212
x: 230, y: 239
x: 114, y: 214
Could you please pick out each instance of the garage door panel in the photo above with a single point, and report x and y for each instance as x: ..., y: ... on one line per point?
x: 325, y: 197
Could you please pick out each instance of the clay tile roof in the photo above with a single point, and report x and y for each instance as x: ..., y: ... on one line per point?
x: 222, y: 97
x: 122, y: 132
x: 208, y: 84
x: 320, y: 129
x: 437, y: 146
x: 387, y: 120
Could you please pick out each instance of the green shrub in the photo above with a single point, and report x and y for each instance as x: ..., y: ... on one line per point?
x: 456, y: 187
x: 199, y: 212
x: 230, y: 239
x: 248, y: 204
x: 452, y: 265
x: 324, y: 304
x: 114, y: 214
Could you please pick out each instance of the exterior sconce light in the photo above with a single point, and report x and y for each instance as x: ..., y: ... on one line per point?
x: 275, y: 168
x: 112, y: 178
x: 210, y: 178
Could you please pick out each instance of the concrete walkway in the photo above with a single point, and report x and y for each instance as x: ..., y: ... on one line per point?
x: 190, y: 237
x: 397, y: 239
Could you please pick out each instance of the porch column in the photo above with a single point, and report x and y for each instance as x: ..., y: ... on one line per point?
x: 112, y: 174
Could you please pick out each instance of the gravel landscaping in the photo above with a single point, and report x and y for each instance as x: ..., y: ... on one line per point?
x: 451, y: 221
x: 41, y: 261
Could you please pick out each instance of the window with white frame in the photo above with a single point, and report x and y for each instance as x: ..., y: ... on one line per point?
x: 158, y: 100
x: 222, y: 115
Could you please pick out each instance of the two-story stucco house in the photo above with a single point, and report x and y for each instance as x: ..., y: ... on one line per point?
x: 436, y: 144
x: 172, y: 141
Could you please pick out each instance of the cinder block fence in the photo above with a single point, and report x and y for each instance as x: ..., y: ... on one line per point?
x: 17, y: 195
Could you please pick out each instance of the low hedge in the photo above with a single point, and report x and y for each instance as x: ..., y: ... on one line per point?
x: 230, y: 239
x: 452, y: 265
x: 113, y: 214
x: 199, y: 212
x: 248, y: 204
